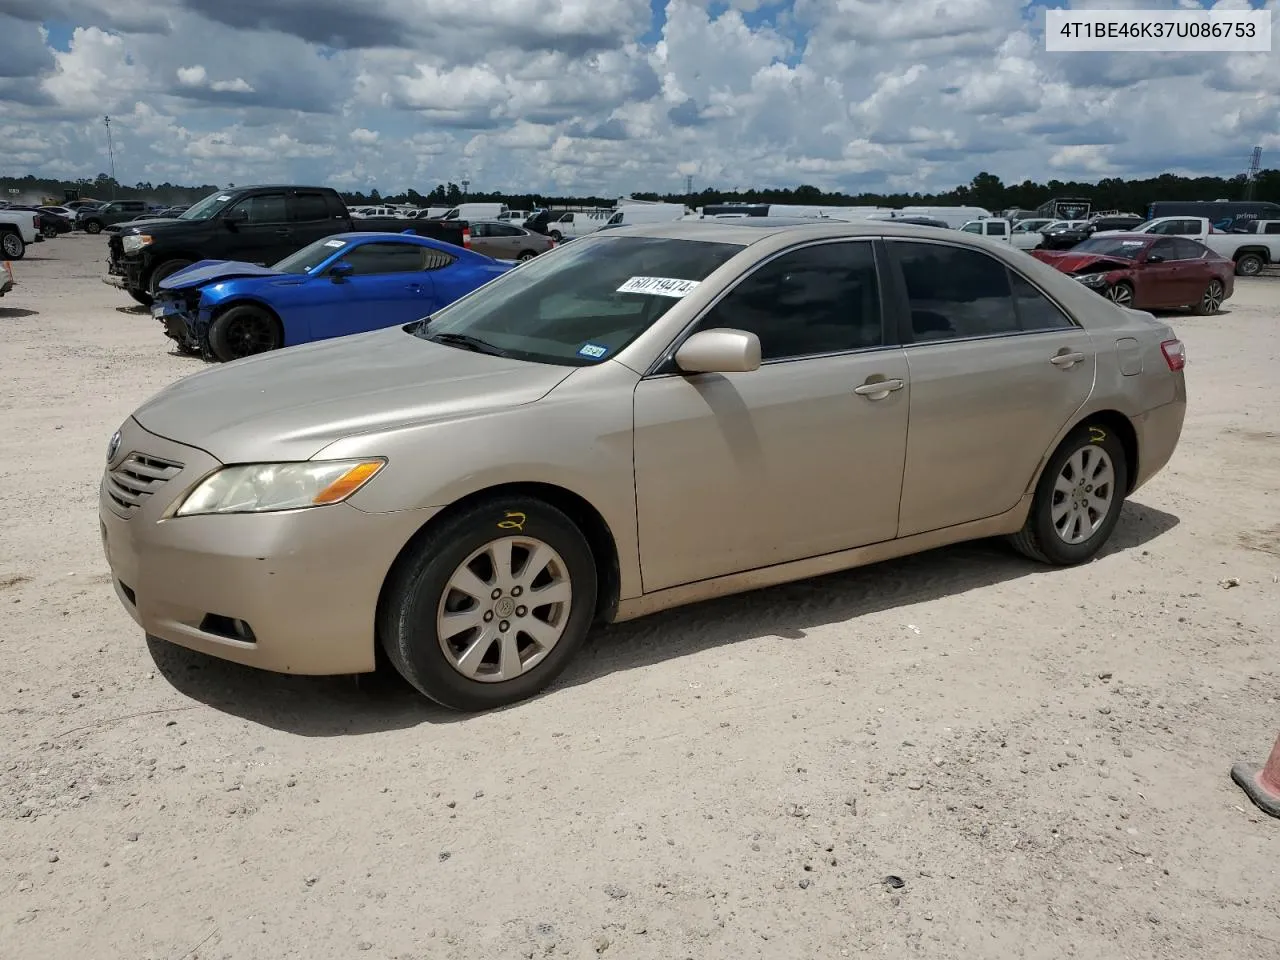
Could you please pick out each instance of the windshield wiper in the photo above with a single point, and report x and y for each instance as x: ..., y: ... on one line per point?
x: 468, y: 342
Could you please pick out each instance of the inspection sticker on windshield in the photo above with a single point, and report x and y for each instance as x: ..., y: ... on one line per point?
x: 335, y: 243
x: 223, y: 199
x: 660, y: 286
x: 593, y: 350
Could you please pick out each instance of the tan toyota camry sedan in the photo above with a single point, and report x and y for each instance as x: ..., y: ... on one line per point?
x: 636, y: 420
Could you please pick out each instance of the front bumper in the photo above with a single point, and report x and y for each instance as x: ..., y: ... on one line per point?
x: 305, y: 582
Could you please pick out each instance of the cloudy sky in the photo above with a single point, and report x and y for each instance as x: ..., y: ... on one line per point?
x: 607, y: 96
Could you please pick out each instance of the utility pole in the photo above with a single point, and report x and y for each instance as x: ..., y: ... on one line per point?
x: 111, y: 154
x: 688, y: 185
x: 1255, y: 164
x: 466, y: 182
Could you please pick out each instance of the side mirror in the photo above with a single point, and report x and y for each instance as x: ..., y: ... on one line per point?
x: 339, y: 272
x: 719, y: 351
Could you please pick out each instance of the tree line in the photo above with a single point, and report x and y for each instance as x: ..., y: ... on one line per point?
x: 984, y: 190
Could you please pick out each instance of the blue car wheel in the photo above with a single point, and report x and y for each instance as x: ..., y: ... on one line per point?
x: 243, y: 331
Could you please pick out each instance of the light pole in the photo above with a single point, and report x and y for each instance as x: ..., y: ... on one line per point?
x: 111, y: 154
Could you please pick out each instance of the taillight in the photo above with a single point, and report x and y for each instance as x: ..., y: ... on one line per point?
x: 466, y: 237
x: 1175, y: 354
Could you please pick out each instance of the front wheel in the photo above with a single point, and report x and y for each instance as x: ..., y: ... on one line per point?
x: 166, y: 269
x: 242, y: 332
x: 489, y: 608
x: 1121, y: 294
x: 1249, y: 265
x: 141, y: 296
x: 93, y: 226
x: 13, y: 246
x: 1078, y: 499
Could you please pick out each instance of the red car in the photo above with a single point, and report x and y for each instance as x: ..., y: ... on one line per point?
x: 1148, y: 272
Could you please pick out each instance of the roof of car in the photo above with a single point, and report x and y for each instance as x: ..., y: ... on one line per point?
x: 745, y: 231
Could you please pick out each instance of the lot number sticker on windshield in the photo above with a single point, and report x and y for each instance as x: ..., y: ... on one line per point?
x: 593, y: 350
x: 659, y: 286
x: 335, y: 243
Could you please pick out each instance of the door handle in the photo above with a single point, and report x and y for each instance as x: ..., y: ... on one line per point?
x: 878, y: 389
x: 283, y: 231
x: 1066, y: 360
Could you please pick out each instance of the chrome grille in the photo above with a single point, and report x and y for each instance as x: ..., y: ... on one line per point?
x: 137, y: 478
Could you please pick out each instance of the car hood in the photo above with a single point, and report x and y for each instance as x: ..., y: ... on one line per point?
x: 1069, y: 262
x: 292, y: 403
x: 208, y: 271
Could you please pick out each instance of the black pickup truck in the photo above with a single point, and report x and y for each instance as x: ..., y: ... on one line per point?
x: 255, y: 224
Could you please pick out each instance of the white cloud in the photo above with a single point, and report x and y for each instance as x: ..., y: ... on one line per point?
x: 567, y: 95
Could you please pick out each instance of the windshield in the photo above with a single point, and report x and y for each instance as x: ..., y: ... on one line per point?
x: 1125, y: 248
x: 310, y: 256
x: 583, y: 303
x: 1143, y: 227
x: 206, y: 208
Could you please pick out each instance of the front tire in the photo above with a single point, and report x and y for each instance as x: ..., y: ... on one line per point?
x: 12, y: 246
x: 1121, y: 294
x: 166, y: 269
x: 242, y: 332
x: 93, y: 226
x: 141, y: 296
x: 1078, y: 499
x: 457, y: 620
x: 1249, y: 265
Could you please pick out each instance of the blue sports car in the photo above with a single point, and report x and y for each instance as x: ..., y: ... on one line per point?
x: 347, y: 283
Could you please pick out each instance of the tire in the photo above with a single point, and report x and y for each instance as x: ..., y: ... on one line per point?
x: 556, y: 235
x: 92, y: 226
x: 12, y: 246
x: 1249, y: 265
x: 526, y: 255
x: 166, y: 269
x: 1212, y: 299
x: 1121, y: 294
x: 242, y: 332
x: 418, y: 593
x: 141, y: 296
x: 49, y: 232
x: 1040, y: 537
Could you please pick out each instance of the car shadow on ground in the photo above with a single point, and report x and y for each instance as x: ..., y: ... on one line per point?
x: 342, y: 706
x: 16, y: 313
x: 138, y: 310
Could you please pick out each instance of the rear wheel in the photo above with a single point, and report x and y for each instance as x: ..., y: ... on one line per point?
x: 556, y: 235
x: 1249, y: 265
x: 1078, y: 499
x: 12, y: 245
x: 490, y: 608
x: 526, y: 255
x: 1212, y: 299
x: 242, y: 332
x: 1120, y: 294
x: 49, y: 232
x: 93, y: 226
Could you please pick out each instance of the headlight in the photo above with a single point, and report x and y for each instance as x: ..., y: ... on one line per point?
x: 266, y: 487
x: 1092, y: 279
x: 135, y: 242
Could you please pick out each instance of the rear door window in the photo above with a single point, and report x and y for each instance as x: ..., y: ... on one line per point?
x: 954, y: 293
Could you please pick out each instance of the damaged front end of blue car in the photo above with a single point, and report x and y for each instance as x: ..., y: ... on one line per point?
x: 187, y: 300
x: 185, y: 322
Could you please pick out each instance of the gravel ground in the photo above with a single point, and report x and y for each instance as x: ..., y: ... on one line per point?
x: 1039, y: 757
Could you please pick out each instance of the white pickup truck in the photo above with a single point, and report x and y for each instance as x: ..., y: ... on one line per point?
x: 17, y: 229
x: 1250, y: 251
x: 997, y: 228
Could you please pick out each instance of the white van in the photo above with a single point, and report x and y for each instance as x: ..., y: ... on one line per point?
x: 632, y: 214
x: 476, y: 211
x: 952, y: 216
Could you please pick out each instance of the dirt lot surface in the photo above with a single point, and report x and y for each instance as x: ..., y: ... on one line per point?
x: 1040, y: 756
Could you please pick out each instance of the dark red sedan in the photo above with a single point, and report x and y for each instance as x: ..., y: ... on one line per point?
x: 1148, y: 272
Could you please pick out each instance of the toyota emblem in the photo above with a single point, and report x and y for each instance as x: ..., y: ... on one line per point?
x: 113, y: 446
